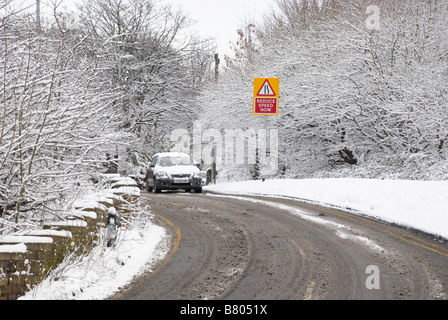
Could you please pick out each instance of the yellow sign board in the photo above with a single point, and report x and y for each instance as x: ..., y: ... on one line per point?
x: 266, y: 92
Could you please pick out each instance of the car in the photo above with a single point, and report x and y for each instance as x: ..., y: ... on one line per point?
x: 173, y: 171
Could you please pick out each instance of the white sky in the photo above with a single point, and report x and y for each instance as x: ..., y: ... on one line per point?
x: 218, y: 19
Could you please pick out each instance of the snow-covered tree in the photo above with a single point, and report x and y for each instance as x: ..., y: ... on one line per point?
x: 57, y: 121
x: 158, y: 67
x: 77, y: 90
x: 352, y: 94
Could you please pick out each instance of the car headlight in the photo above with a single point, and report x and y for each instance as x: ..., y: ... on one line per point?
x: 197, y: 175
x: 162, y: 175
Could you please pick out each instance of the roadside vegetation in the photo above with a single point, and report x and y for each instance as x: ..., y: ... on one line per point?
x: 362, y: 93
x: 362, y: 88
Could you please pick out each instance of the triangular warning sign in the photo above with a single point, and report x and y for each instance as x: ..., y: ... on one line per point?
x: 266, y: 90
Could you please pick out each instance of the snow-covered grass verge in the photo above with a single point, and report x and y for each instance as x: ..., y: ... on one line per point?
x: 105, y: 270
x: 421, y: 205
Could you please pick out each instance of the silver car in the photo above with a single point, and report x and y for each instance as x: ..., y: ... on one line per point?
x: 173, y: 171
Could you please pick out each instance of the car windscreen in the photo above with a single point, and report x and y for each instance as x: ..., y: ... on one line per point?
x: 169, y: 161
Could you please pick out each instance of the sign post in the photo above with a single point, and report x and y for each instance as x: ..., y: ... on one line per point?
x: 266, y: 99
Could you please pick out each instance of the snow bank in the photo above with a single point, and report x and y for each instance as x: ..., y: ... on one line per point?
x: 13, y: 248
x: 123, y: 181
x: 25, y: 239
x: 132, y: 191
x: 46, y: 232
x: 104, y: 270
x: 421, y: 205
x: 101, y: 197
x: 82, y: 213
x: 68, y: 223
x: 88, y: 203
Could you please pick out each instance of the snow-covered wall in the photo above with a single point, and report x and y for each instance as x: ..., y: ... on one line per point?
x: 28, y: 256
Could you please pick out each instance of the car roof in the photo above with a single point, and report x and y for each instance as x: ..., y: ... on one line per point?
x: 173, y: 154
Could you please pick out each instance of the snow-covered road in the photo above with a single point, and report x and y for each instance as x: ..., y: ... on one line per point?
x: 236, y: 247
x: 416, y: 204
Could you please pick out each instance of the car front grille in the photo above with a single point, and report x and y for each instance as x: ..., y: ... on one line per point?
x: 180, y: 175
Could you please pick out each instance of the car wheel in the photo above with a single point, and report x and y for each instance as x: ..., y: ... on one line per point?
x: 198, y: 190
x: 155, y: 189
x: 148, y: 187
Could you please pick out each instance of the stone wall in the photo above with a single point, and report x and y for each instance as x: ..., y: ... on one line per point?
x: 27, y: 257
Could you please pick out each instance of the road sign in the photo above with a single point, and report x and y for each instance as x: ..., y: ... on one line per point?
x: 266, y: 96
